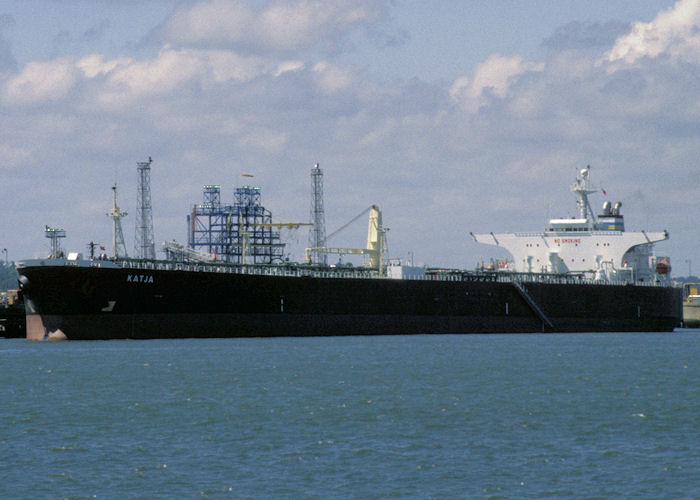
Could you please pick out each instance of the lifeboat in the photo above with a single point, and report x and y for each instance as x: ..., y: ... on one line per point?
x: 663, y: 267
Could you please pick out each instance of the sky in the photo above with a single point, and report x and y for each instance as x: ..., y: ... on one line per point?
x: 452, y: 116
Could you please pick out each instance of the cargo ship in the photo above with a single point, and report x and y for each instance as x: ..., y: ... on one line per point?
x: 584, y: 274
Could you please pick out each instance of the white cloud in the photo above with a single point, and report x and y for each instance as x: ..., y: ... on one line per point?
x: 495, y: 75
x: 215, y: 21
x: 295, y: 24
x: 174, y: 67
x: 121, y: 81
x: 94, y: 65
x: 331, y: 78
x: 674, y: 32
x: 289, y: 66
x: 281, y: 26
x: 40, y: 82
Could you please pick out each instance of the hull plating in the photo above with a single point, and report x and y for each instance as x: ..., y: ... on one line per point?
x: 88, y: 303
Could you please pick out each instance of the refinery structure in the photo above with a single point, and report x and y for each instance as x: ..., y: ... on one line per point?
x: 241, y: 233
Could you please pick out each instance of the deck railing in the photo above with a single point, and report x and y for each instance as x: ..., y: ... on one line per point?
x: 303, y: 270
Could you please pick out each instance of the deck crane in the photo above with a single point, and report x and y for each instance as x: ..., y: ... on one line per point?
x: 361, y: 214
x: 376, y: 241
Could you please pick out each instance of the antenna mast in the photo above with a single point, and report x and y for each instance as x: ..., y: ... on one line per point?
x: 144, y: 244
x: 317, y: 234
x: 118, y: 246
x: 54, y: 233
x: 582, y: 188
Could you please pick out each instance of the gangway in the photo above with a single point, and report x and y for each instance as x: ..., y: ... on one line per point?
x: 533, y: 305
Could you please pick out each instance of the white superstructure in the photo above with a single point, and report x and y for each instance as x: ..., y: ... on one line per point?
x: 598, y: 247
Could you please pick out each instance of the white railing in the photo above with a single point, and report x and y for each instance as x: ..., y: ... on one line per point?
x: 297, y: 270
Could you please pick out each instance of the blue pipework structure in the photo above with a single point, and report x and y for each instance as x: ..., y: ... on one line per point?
x: 241, y: 233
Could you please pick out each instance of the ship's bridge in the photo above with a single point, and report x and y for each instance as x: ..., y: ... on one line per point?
x: 568, y: 225
x: 584, y: 244
x: 604, y: 223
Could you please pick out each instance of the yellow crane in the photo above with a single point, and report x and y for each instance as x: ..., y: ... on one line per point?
x: 376, y: 242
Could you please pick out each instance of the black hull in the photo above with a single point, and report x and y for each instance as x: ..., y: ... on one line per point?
x: 81, y: 303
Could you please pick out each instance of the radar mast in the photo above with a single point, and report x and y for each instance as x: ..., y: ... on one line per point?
x: 582, y: 188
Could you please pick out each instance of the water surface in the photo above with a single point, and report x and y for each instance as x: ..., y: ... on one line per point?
x: 482, y: 416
